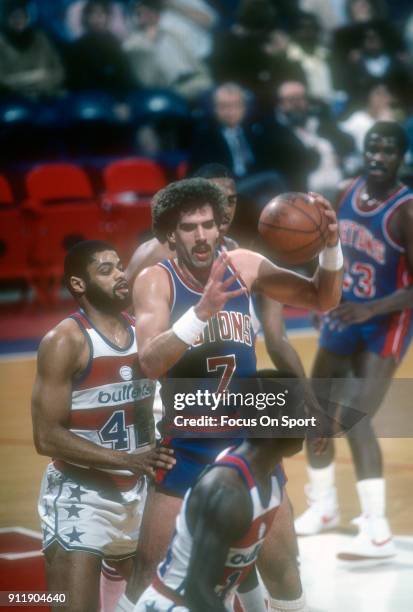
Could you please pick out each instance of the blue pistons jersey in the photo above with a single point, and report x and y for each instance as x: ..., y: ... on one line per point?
x: 224, y: 352
x: 375, y: 266
x: 228, y: 334
x: 375, y: 263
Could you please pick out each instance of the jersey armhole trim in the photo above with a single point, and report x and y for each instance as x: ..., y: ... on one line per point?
x: 78, y: 318
x: 172, y: 292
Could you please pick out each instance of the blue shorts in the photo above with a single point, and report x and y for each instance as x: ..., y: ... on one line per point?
x: 189, y: 467
x: 386, y: 336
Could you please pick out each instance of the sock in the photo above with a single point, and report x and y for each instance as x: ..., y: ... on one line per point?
x: 125, y: 605
x: 321, y: 479
x: 254, y: 600
x: 372, y: 497
x: 296, y: 605
x: 112, y: 586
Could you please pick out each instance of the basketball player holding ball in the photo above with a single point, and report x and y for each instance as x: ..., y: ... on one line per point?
x: 180, y: 300
x: 367, y: 335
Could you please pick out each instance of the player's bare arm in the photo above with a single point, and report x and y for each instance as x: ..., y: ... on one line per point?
x: 159, y: 346
x: 354, y: 312
x: 62, y: 355
x: 282, y: 354
x: 219, y: 516
x: 146, y: 255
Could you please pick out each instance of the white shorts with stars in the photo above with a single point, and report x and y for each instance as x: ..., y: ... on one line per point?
x: 78, y: 517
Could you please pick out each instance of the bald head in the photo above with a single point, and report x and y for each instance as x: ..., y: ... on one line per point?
x: 229, y: 104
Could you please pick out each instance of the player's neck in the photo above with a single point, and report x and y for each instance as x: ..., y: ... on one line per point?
x: 198, y: 278
x: 111, y: 325
x: 262, y: 455
x: 380, y: 191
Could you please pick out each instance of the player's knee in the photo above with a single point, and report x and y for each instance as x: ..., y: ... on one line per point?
x: 361, y: 432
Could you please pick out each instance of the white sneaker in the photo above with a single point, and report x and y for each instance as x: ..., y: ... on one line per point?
x: 373, y: 542
x: 321, y: 515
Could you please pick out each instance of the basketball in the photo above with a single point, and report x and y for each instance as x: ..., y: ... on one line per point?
x: 294, y: 227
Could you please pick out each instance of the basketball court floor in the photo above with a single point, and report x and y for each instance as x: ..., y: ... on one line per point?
x: 329, y: 586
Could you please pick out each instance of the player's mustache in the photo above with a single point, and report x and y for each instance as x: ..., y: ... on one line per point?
x: 122, y: 285
x: 201, y: 248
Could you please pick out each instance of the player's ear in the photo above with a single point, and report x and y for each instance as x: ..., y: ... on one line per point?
x: 78, y: 285
x: 171, y: 238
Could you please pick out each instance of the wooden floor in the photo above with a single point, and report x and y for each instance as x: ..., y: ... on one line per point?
x: 21, y: 469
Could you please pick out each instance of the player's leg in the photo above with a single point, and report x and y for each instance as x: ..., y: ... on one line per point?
x: 374, y: 374
x: 113, y: 580
x: 277, y: 562
x: 250, y: 595
x: 157, y: 527
x: 321, y: 493
x: 75, y: 572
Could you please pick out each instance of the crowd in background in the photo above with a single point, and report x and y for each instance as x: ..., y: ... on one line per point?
x: 282, y: 91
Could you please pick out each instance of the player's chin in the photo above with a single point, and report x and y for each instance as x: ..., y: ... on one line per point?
x: 122, y: 299
x: 204, y: 262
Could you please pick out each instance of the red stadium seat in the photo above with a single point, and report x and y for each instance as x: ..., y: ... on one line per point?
x: 138, y: 175
x: 6, y: 195
x: 13, y: 237
x: 128, y: 183
x: 60, y: 211
x: 50, y: 183
x: 125, y: 222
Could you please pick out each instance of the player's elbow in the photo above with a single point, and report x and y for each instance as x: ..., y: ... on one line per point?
x: 43, y: 441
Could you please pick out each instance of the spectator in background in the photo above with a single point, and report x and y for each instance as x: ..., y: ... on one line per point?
x: 228, y: 138
x: 240, y: 54
x: 381, y: 105
x: 29, y: 64
x: 160, y: 58
x: 368, y: 49
x: 378, y: 58
x: 331, y: 14
x: 191, y: 21
x: 363, y: 11
x: 322, y: 143
x: 96, y: 59
x: 314, y: 58
x: 73, y: 20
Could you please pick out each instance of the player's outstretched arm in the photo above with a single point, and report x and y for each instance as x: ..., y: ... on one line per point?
x: 321, y: 292
x: 161, y: 345
x: 219, y: 516
x: 59, y: 360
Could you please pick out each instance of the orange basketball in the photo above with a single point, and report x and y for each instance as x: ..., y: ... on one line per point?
x: 294, y: 227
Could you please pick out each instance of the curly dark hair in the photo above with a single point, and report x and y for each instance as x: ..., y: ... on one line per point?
x: 183, y: 196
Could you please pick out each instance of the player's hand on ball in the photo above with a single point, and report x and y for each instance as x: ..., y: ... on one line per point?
x: 329, y: 212
x: 156, y: 458
x: 351, y: 312
x: 216, y: 292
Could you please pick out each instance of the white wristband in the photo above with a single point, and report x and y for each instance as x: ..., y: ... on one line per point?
x: 331, y: 258
x: 188, y: 327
